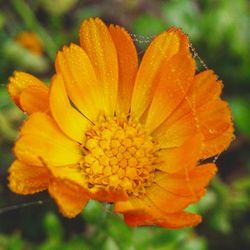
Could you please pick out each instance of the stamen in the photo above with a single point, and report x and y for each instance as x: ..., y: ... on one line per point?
x: 118, y: 155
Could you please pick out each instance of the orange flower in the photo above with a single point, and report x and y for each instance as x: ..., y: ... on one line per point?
x: 30, y: 41
x: 109, y: 130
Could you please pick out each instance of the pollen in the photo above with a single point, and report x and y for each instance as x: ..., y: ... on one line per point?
x: 118, y: 155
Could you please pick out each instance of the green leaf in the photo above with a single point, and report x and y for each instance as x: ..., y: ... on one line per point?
x: 12, y: 242
x: 195, y: 243
x: 241, y: 113
x: 147, y: 25
x: 93, y: 212
x: 27, y: 15
x: 207, y: 202
x: 4, y: 96
x: 220, y: 221
x: 53, y: 227
x: 2, y: 20
x: 120, y: 231
x: 110, y: 244
x: 23, y: 59
x: 184, y: 14
x: 58, y: 7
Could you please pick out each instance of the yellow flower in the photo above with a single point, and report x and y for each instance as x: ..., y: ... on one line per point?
x: 109, y: 130
x: 30, y: 41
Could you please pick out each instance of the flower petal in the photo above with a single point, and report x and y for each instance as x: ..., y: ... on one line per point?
x: 175, y: 192
x: 27, y: 179
x: 72, y: 123
x: 177, y: 220
x: 218, y: 144
x: 174, y: 81
x: 42, y: 142
x: 169, y: 202
x: 212, y: 120
x: 34, y: 99
x: 170, y: 135
x: 138, y: 212
x: 187, y: 183
x: 128, y: 65
x: 161, y: 49
x: 216, y: 126
x: 80, y: 80
x: 109, y: 196
x: 180, y: 220
x: 181, y: 158
x: 70, y: 173
x: 28, y: 92
x: 96, y: 40
x: 143, y: 211
x: 132, y: 204
x: 70, y: 198
x: 201, y: 111
x: 205, y: 88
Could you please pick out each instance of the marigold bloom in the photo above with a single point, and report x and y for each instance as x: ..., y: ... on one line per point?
x: 30, y: 41
x: 110, y: 130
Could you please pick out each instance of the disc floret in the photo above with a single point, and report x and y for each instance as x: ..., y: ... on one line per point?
x: 118, y: 155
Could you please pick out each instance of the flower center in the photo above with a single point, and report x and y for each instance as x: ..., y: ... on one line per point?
x: 118, y: 155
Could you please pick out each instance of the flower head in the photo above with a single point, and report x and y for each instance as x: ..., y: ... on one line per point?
x: 30, y: 41
x: 110, y: 130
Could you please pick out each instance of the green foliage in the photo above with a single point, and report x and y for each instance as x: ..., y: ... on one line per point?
x: 58, y: 7
x: 219, y: 31
x: 13, y: 242
x: 240, y: 107
x: 148, y: 25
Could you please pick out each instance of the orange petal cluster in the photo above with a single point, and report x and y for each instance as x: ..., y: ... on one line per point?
x: 112, y: 129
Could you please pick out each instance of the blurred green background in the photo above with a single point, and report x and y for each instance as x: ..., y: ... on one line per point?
x: 220, y: 33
